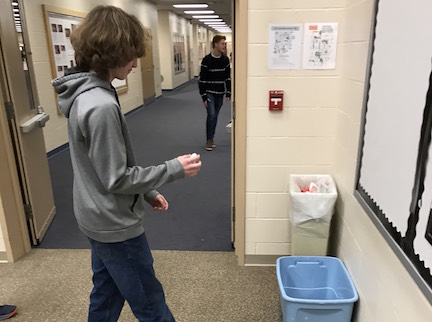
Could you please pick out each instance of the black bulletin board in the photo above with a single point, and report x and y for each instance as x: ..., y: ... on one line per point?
x: 394, y: 173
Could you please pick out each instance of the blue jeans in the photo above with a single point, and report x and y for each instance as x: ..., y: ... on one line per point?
x: 214, y: 104
x: 124, y: 271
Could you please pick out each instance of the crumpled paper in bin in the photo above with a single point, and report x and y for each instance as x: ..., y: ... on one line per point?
x: 312, y: 205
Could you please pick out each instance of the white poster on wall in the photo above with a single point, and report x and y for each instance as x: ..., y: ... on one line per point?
x: 396, y: 122
x: 319, y: 47
x: 284, y: 49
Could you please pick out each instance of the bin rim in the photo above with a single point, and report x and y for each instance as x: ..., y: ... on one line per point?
x: 353, y: 299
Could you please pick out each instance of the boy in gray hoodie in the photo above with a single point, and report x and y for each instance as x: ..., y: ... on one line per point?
x: 109, y: 189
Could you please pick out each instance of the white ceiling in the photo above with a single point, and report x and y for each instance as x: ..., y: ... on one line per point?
x: 222, y: 8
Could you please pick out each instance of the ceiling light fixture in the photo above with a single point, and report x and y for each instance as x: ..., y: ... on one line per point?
x: 184, y: 6
x: 199, y: 12
x: 215, y: 23
x: 210, y: 20
x: 204, y: 17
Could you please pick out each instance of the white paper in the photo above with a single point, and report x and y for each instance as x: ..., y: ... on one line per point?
x: 284, y: 49
x: 319, y: 48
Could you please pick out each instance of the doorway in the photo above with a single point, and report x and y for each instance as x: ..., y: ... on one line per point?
x: 24, y: 119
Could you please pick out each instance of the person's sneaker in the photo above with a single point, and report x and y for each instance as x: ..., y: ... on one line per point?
x: 209, y: 145
x: 7, y: 311
x: 213, y: 144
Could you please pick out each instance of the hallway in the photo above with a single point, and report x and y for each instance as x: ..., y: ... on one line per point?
x: 191, y: 243
x: 199, y: 217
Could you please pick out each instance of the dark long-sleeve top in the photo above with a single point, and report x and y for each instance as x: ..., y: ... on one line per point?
x: 215, y: 76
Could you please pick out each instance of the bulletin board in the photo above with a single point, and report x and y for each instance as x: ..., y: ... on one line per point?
x: 179, y: 54
x: 60, y: 24
x: 394, y: 172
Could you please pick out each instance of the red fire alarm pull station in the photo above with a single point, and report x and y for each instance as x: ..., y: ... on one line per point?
x: 276, y: 100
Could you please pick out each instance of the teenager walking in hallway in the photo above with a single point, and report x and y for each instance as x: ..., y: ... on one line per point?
x: 214, y: 82
x: 109, y: 188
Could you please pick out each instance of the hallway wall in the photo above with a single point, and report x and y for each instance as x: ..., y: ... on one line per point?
x: 170, y: 25
x: 300, y: 139
x: 55, y: 131
x: 318, y: 132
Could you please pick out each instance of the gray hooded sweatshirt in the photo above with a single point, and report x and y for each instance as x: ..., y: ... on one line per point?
x: 109, y: 189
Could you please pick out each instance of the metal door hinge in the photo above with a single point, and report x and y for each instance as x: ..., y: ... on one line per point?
x: 234, y: 110
x: 233, y: 214
x: 28, y: 212
x: 10, y: 111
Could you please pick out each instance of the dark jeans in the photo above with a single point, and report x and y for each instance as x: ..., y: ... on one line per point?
x: 214, y: 104
x: 124, y: 271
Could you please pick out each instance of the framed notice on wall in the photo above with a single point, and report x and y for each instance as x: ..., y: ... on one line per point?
x: 179, y: 54
x: 60, y: 24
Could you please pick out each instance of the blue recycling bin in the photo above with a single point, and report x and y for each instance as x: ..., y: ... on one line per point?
x: 315, y: 289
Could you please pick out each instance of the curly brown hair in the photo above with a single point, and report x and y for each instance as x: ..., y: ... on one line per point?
x: 108, y: 38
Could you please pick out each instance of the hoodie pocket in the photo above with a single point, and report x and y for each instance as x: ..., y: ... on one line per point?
x: 134, y: 202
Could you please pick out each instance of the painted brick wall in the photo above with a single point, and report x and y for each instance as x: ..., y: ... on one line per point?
x: 298, y: 140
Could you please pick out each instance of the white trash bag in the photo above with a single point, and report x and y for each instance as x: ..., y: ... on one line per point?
x: 317, y: 199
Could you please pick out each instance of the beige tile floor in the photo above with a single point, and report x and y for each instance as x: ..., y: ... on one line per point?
x: 54, y: 285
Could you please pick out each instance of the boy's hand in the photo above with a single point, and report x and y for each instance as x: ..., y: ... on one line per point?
x: 191, y: 164
x: 159, y: 203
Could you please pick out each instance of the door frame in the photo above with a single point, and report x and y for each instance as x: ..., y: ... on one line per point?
x: 12, y: 217
x: 238, y: 193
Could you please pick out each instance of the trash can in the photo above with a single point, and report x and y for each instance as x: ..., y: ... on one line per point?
x: 315, y: 289
x: 312, y: 205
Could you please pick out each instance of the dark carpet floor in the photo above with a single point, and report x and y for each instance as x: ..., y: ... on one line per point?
x: 199, y: 216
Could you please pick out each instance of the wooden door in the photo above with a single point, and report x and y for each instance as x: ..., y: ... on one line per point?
x: 147, y: 71
x: 25, y: 119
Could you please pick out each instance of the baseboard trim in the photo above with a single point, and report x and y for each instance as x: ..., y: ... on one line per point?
x: 149, y: 100
x: 57, y: 150
x: 179, y: 86
x: 136, y: 109
x: 261, y: 260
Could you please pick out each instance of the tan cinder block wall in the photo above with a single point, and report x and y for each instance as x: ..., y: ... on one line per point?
x: 301, y: 138
x: 318, y: 132
x: 55, y: 131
